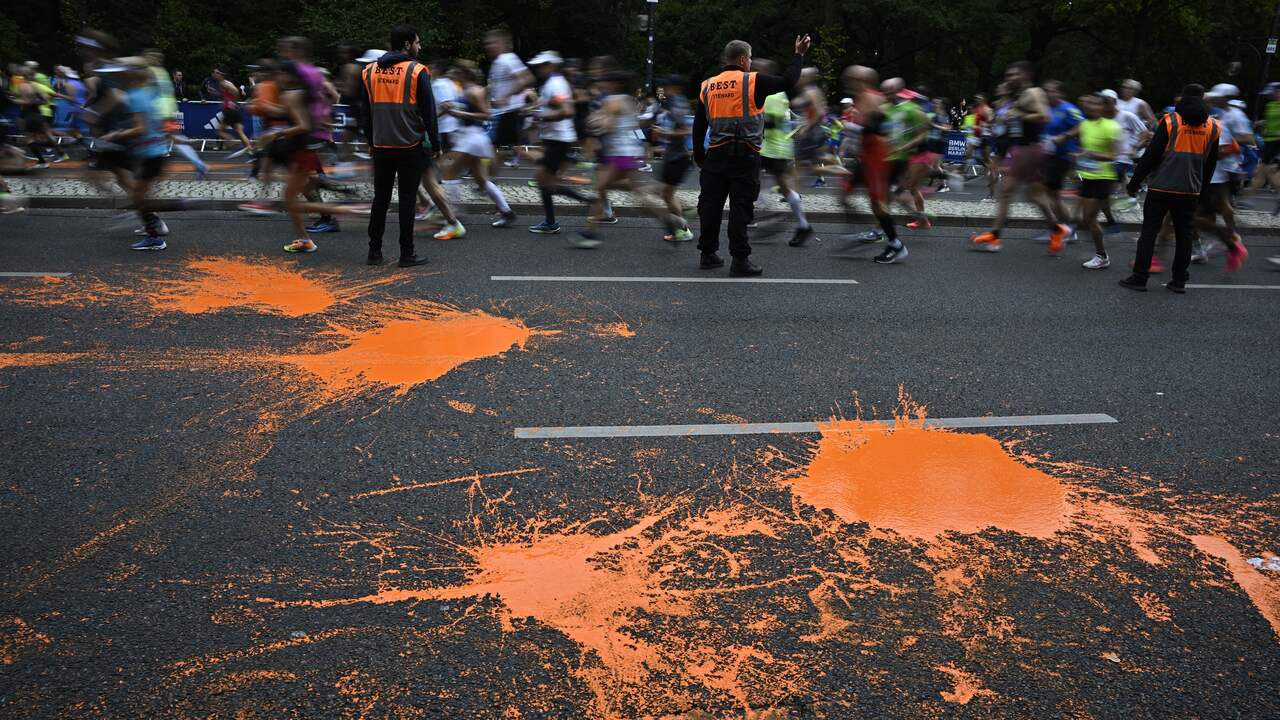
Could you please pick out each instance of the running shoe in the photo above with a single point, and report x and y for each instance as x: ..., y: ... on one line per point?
x: 163, y: 232
x: 301, y: 246
x: 1274, y: 260
x: 512, y: 163
x: 921, y: 224
x: 1124, y: 203
x: 324, y: 226
x: 800, y: 237
x: 1112, y: 229
x: 362, y: 155
x: 40, y: 166
x: 1176, y: 287
x: 1097, y: 262
x: 606, y: 220
x: 12, y: 204
x: 955, y: 182
x: 1200, y: 257
x: 891, y: 255
x: 1236, y: 254
x: 344, y: 171
x: 819, y: 182
x: 258, y: 207
x: 238, y: 153
x: 150, y: 243
x: 584, y: 240
x: 451, y: 231
x: 985, y: 242
x: 680, y: 235
x: 1058, y: 238
x: 426, y: 215
x: 507, y: 219
x: 62, y: 157
x: 545, y: 228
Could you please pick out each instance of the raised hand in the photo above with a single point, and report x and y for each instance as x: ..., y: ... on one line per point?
x: 802, y: 44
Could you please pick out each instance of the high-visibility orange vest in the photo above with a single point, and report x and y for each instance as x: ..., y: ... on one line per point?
x: 732, y: 115
x: 1181, y: 170
x: 393, y: 104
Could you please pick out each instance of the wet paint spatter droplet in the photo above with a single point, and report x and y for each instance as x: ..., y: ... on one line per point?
x: 922, y: 482
x: 414, y: 345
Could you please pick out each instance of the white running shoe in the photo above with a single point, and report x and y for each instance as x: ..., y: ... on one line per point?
x: 164, y: 230
x: 1097, y: 262
x: 452, y: 231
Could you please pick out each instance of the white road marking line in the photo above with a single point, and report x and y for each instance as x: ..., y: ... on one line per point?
x: 35, y: 274
x: 602, y: 279
x: 1234, y: 287
x: 601, y: 431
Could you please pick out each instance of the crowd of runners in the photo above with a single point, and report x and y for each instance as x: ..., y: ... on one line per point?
x: 590, y: 129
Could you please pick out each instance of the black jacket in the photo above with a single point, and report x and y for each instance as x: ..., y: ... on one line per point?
x: 426, y: 101
x: 766, y: 85
x: 1193, y: 112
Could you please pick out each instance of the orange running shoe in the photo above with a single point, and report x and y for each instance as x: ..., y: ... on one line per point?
x: 1236, y: 253
x: 985, y: 242
x: 1058, y: 238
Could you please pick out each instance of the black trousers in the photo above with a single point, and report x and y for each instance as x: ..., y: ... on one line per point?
x: 389, y: 165
x: 732, y: 174
x: 1182, y: 210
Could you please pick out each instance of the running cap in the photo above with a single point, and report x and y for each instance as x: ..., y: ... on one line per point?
x: 846, y: 101
x: 1222, y: 90
x: 1110, y: 94
x: 1237, y: 104
x: 547, y: 57
x: 370, y: 55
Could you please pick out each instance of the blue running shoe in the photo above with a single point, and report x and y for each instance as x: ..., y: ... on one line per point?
x: 545, y: 228
x: 324, y: 226
x: 151, y: 243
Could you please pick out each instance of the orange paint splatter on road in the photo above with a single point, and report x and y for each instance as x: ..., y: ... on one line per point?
x: 409, y: 346
x: 922, y: 482
x: 1262, y: 591
x: 965, y: 686
x: 13, y: 360
x: 462, y: 407
x: 617, y: 329
x: 218, y: 283
x: 17, y: 638
x: 1153, y: 607
x: 1135, y: 530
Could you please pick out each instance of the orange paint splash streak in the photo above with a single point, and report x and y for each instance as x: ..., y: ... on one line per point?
x: 923, y: 482
x: 219, y: 283
x: 1262, y: 592
x: 966, y: 686
x: 437, y: 483
x: 17, y: 637
x: 8, y: 360
x: 462, y: 407
x: 615, y: 329
x: 409, y: 346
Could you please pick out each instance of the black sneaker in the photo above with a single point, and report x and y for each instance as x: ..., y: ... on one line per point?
x: 1176, y: 287
x: 506, y: 220
x: 891, y: 255
x: 375, y: 258
x: 801, y: 236
x: 710, y: 262
x: 1134, y: 283
x: 412, y: 260
x: 742, y: 267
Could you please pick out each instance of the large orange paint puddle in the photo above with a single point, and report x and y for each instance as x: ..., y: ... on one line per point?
x: 415, y: 344
x: 923, y: 482
x: 217, y: 283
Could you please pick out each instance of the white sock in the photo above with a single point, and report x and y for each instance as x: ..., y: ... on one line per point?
x: 608, y: 208
x: 453, y: 191
x: 496, y: 196
x: 797, y: 209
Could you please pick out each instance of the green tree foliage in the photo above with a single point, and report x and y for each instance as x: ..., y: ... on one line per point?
x: 957, y: 48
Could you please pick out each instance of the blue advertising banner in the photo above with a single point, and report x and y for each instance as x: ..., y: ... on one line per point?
x: 956, y: 146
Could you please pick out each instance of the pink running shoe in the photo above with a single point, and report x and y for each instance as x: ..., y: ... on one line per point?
x: 1236, y: 254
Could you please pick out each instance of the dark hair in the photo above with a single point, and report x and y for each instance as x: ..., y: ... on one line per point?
x: 1023, y: 66
x: 1054, y: 85
x: 402, y: 35
x: 1193, y: 90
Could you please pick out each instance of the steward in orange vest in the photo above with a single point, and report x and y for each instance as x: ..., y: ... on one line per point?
x: 1177, y: 167
x: 729, y: 117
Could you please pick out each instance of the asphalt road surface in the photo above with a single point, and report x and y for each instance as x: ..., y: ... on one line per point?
x: 241, y: 484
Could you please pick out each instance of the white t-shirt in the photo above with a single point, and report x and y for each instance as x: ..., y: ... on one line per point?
x: 1131, y: 128
x: 1227, y: 164
x: 443, y: 90
x: 1130, y: 106
x: 562, y: 130
x: 503, y: 93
